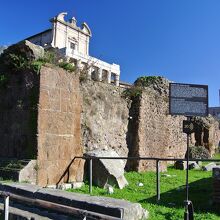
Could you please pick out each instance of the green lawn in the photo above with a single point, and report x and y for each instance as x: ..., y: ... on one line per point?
x: 215, y: 156
x: 172, y: 194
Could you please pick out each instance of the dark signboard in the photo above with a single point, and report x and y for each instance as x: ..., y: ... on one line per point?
x: 188, y: 99
x: 188, y: 127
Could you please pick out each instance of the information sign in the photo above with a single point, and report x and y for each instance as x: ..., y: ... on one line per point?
x: 188, y: 99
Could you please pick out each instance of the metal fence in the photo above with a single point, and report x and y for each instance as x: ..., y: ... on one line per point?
x: 157, y: 165
x: 5, y: 195
x: 65, y: 209
x: 90, y: 160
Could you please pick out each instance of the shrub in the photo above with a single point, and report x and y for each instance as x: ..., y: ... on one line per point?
x: 67, y: 66
x: 156, y: 82
x: 199, y: 152
x: 18, y: 61
x: 49, y: 57
x: 145, y: 81
x: 133, y: 92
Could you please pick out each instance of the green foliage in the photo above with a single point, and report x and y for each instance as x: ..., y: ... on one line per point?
x: 199, y: 152
x: 133, y: 92
x: 67, y: 66
x: 145, y: 81
x: 49, y: 57
x: 36, y: 65
x: 216, y: 156
x: 18, y: 62
x: 171, y: 206
x: 14, y: 165
x: 139, y: 85
x: 14, y: 62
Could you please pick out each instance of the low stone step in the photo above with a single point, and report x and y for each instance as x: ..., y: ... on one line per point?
x: 22, y: 212
x: 108, y: 206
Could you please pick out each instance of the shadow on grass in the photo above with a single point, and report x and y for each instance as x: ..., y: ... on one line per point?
x: 200, y: 193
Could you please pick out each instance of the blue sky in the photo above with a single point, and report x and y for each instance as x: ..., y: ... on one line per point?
x: 177, y: 39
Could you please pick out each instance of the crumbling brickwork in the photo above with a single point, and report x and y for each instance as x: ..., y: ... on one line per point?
x: 206, y: 133
x: 154, y: 133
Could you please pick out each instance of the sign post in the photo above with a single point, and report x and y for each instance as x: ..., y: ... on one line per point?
x: 188, y: 100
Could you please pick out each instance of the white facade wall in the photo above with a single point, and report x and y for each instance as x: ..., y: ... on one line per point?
x: 73, y: 42
x: 64, y: 35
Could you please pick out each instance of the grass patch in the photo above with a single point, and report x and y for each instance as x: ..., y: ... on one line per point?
x: 215, y: 156
x: 172, y: 194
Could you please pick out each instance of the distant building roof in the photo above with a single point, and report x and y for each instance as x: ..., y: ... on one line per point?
x: 38, y: 34
x: 124, y: 84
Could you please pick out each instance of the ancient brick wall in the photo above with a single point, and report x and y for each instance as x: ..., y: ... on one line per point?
x: 207, y: 134
x: 155, y: 132
x: 59, y: 133
x: 18, y: 115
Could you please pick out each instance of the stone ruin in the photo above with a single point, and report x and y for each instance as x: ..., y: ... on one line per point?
x: 207, y: 133
x: 49, y: 117
x: 40, y: 117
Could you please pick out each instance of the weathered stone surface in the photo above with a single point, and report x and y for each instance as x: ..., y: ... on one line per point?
x: 29, y: 173
x: 180, y: 165
x: 104, y: 117
x: 193, y: 165
x: 59, y: 139
x: 109, y: 206
x: 152, y: 131
x: 108, y: 171
x: 77, y: 185
x: 18, y: 102
x: 206, y: 134
x: 40, y: 118
x: 18, y: 116
x: 210, y: 166
x: 23, y: 189
x: 26, y: 48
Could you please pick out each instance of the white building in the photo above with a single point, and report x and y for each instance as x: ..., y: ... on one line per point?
x: 73, y: 42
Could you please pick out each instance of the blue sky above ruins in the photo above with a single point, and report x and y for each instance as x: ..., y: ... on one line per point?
x: 179, y: 40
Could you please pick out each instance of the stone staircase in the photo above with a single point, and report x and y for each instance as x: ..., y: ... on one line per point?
x: 10, y: 168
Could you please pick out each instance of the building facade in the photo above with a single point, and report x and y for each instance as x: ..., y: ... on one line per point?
x: 73, y: 42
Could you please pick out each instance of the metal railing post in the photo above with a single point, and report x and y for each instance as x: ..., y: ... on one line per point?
x: 6, y: 207
x: 158, y: 179
x: 90, y: 175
